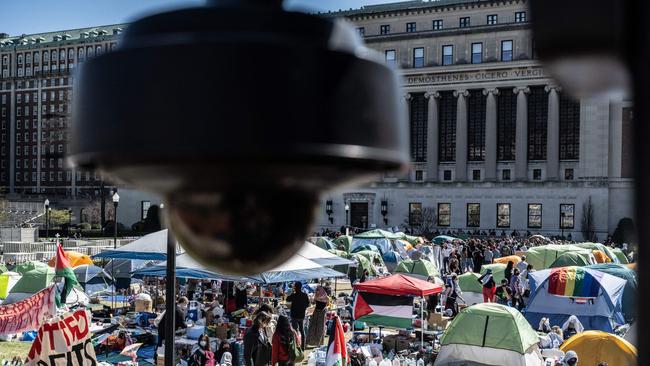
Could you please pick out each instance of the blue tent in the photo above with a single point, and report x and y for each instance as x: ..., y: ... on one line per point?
x: 630, y: 291
x: 391, y: 259
x: 186, y: 267
x: 149, y: 247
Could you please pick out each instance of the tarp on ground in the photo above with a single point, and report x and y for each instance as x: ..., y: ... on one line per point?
x: 510, y: 258
x: 321, y: 256
x: 345, y: 240
x: 573, y: 259
x: 421, y: 268
x: 629, y: 293
x: 622, y: 258
x: 399, y: 285
x: 149, y: 247
x: 75, y: 258
x: 594, y: 297
x: 498, y: 271
x: 543, y: 256
x: 594, y: 347
x: 25, y: 267
x: 489, y: 334
x: 598, y: 246
x: 7, y: 281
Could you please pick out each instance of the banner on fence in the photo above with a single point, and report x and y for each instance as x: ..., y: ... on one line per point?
x: 64, y: 341
x: 28, y: 314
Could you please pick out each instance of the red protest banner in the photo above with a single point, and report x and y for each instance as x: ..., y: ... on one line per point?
x: 29, y: 313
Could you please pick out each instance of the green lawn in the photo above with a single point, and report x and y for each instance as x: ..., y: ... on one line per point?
x: 9, y: 350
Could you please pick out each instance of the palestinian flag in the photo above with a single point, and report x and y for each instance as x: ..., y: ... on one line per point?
x: 387, y: 310
x: 337, y: 352
x: 64, y: 269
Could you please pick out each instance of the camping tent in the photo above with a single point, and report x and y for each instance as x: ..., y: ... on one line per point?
x: 149, y: 247
x: 89, y: 274
x: 321, y: 256
x: 630, y: 291
x: 573, y: 259
x: 594, y: 347
x: 391, y: 259
x: 389, y: 300
x: 443, y: 238
x: 186, y: 267
x: 30, y: 283
x: 597, y: 246
x: 28, y: 266
x: 7, y: 281
x: 421, y: 268
x: 620, y: 255
x: 489, y: 334
x: 75, y: 258
x: 344, y: 240
x: 323, y: 242
x: 543, y: 256
x: 601, y: 257
x: 472, y: 289
x: 381, y: 239
x: 593, y: 296
x: 363, y: 264
x: 372, y: 256
x: 510, y: 258
x: 498, y: 271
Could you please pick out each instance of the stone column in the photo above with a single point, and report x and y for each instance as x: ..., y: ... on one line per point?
x: 553, y: 134
x: 461, y: 135
x: 406, y: 176
x: 491, y: 134
x: 521, y: 136
x: 432, y: 136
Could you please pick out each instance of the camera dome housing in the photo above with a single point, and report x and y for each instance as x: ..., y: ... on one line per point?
x: 239, y: 115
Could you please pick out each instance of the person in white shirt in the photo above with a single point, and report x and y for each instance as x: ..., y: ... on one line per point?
x: 521, y: 266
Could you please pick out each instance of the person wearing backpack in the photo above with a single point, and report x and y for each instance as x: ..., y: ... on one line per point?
x: 286, y: 344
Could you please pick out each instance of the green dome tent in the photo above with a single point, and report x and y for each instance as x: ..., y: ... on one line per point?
x: 468, y: 282
x: 372, y: 256
x: 622, y: 258
x: 489, y: 334
x: 498, y: 271
x: 324, y: 243
x: 379, y: 234
x: 344, y: 240
x: 28, y: 266
x: 31, y: 282
x: 543, y: 256
x: 597, y: 246
x: 629, y: 293
x: 420, y: 268
x: 569, y: 259
x: 343, y: 268
x: 364, y: 264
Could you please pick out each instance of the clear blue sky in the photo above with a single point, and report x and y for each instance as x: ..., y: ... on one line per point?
x: 35, y: 16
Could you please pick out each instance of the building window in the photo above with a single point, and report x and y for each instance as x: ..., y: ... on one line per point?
x: 464, y: 22
x: 473, y: 214
x: 568, y: 174
x: 537, y: 123
x: 415, y: 213
x: 520, y: 17
x: 437, y: 24
x: 537, y: 174
x: 476, y: 125
x: 144, y: 209
x: 492, y: 19
x: 503, y: 215
x: 410, y: 27
x: 384, y: 29
x: 567, y: 215
x: 418, y: 124
x: 535, y: 215
x: 447, y: 55
x: 418, y: 57
x: 446, y: 175
x: 506, y: 126
x: 476, y: 174
x: 361, y: 31
x: 391, y: 57
x: 477, y: 53
x: 506, y: 50
x: 444, y: 214
x: 447, y: 127
x: 419, y: 175
x: 569, y: 128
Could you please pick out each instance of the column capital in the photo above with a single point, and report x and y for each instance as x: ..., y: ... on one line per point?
x: 407, y: 96
x: 493, y: 91
x: 462, y: 92
x: 521, y: 89
x: 432, y: 94
x: 548, y: 88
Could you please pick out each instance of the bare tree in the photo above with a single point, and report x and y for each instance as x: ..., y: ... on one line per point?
x: 588, y: 221
x: 93, y: 211
x: 422, y: 223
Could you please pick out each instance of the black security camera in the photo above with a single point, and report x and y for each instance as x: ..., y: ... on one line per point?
x: 240, y: 115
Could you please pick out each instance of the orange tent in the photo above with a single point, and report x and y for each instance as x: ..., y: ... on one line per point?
x: 601, y: 257
x: 504, y: 260
x: 75, y: 258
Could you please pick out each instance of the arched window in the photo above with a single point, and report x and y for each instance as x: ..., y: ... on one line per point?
x: 80, y: 53
x: 28, y: 58
x: 89, y: 51
x: 20, y: 58
x: 71, y: 53
x: 62, y: 55
x: 98, y: 50
x: 46, y: 56
x: 55, y: 55
x: 37, y: 57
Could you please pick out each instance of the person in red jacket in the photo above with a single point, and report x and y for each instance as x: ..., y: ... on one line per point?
x: 282, y: 338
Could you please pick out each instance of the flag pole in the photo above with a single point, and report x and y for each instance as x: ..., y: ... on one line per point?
x: 422, y: 322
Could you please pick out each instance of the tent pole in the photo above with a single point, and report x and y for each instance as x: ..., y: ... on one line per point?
x: 422, y: 320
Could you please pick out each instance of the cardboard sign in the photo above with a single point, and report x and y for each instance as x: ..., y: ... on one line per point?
x: 64, y: 341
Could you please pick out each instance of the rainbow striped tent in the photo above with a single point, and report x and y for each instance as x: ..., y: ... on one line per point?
x: 593, y: 296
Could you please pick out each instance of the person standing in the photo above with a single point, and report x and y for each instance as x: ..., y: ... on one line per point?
x: 521, y: 266
x: 489, y: 286
x: 203, y: 356
x: 508, y: 271
x: 316, y: 332
x: 299, y: 304
x: 452, y: 293
x: 352, y: 270
x: 179, y: 319
x: 257, y: 347
x: 478, y: 260
x: 487, y: 255
x: 283, y: 338
x: 517, y: 291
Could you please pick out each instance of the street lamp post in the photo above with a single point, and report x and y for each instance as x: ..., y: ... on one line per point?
x: 47, y: 219
x: 116, y: 200
x: 347, y: 216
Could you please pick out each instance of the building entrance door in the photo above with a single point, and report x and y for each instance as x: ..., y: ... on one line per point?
x: 359, y: 214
